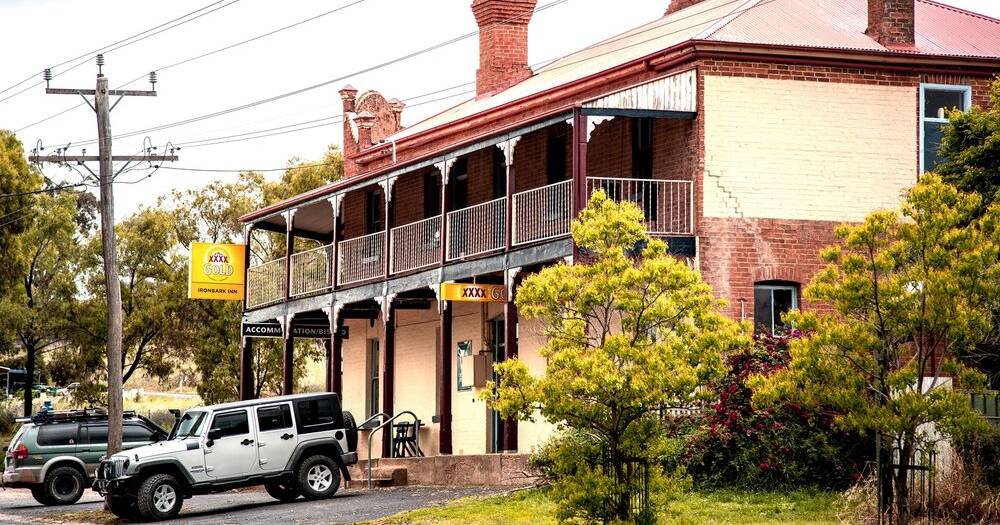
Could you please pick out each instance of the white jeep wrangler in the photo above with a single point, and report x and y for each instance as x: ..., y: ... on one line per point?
x: 298, y: 445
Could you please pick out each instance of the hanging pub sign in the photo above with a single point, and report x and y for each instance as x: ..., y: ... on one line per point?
x: 216, y: 271
x: 477, y: 293
x: 311, y: 331
x: 305, y: 331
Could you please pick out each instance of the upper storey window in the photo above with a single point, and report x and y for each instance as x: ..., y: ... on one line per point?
x: 936, y: 100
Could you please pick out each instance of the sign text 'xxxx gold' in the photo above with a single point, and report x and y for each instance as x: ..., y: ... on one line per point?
x: 477, y: 293
x: 216, y: 271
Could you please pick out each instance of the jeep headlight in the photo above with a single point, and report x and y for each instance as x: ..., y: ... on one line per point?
x: 125, y: 466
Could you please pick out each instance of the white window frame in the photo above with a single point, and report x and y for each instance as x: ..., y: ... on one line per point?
x: 771, y: 287
x: 966, y: 90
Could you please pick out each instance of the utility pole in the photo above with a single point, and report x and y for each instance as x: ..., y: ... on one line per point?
x: 105, y: 179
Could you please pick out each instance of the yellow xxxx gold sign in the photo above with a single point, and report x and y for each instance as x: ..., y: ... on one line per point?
x: 477, y: 293
x: 216, y: 271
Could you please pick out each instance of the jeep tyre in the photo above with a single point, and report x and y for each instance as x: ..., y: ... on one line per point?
x: 124, y: 507
x: 38, y: 492
x: 351, y: 428
x: 284, y: 490
x: 159, y: 497
x: 63, y: 486
x: 318, y: 477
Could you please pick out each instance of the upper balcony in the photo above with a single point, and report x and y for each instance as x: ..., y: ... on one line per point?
x: 492, y: 200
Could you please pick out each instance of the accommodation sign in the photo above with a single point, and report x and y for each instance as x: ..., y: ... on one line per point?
x: 304, y: 331
x: 216, y: 271
x: 476, y: 293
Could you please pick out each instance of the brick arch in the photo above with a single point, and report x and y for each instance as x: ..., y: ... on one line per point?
x: 786, y: 273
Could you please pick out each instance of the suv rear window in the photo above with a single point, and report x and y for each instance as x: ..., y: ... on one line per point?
x: 97, y: 434
x: 132, y: 433
x: 274, y: 417
x: 316, y: 415
x: 56, y: 435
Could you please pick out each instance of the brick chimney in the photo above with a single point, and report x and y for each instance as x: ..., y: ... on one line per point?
x: 677, y: 5
x: 890, y: 22
x: 503, y: 43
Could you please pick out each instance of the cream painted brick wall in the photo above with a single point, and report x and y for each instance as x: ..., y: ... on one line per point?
x: 531, y: 435
x: 791, y: 149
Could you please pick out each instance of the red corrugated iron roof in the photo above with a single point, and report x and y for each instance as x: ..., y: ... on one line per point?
x: 840, y: 24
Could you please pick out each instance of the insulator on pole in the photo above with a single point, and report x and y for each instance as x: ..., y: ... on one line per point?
x: 152, y: 79
x: 100, y: 62
x: 47, y: 75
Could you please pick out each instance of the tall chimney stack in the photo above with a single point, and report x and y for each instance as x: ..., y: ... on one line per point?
x: 503, y: 43
x: 890, y: 22
x: 677, y: 5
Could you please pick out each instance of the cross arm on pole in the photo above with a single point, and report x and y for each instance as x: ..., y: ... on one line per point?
x: 111, y: 92
x: 96, y: 158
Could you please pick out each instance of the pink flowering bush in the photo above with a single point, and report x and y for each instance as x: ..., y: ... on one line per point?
x: 735, y: 444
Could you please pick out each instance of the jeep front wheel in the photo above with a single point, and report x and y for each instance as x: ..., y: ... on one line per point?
x: 318, y: 477
x: 282, y: 490
x: 159, y: 497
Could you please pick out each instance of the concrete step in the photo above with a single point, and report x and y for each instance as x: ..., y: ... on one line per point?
x: 381, y: 477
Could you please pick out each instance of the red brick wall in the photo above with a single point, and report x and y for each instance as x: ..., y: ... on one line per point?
x: 354, y: 211
x: 408, y: 196
x: 531, y: 154
x: 890, y: 22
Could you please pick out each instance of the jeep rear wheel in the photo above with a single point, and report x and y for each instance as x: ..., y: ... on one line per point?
x: 318, y: 477
x: 282, y: 490
x: 159, y: 497
x: 63, y: 486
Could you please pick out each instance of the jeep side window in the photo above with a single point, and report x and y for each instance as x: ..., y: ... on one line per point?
x: 274, y: 417
x: 231, y: 423
x: 315, y: 415
x: 56, y: 435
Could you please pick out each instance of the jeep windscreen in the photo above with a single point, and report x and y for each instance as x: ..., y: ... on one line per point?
x: 189, y: 425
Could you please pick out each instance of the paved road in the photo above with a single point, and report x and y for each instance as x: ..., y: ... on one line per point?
x: 247, y: 506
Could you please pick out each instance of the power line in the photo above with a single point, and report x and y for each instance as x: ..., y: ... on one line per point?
x: 207, y: 54
x: 138, y: 37
x: 325, y: 83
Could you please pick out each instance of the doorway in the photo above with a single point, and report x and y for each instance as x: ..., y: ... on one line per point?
x: 497, y: 332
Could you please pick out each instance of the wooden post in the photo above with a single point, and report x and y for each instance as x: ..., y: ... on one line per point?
x: 335, y: 242
x: 289, y: 249
x: 246, y: 369
x: 389, y: 209
x: 444, y: 379
x: 334, y: 352
x: 288, y: 358
x: 388, y: 369
x: 579, y: 168
x: 510, y: 351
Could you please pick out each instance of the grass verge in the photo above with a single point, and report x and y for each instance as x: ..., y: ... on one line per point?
x: 723, y: 507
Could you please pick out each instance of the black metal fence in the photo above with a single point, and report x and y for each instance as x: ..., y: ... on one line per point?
x: 630, y: 498
x: 921, y: 471
x: 987, y: 404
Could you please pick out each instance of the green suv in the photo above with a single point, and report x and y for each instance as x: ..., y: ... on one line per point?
x: 55, y: 454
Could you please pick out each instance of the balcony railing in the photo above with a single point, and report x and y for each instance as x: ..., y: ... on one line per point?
x: 477, y: 229
x: 311, y: 271
x: 667, y: 204
x: 266, y: 283
x: 361, y: 259
x: 542, y: 213
x: 415, y: 245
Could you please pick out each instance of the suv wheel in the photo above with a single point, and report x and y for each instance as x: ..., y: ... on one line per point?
x: 351, y: 429
x: 122, y: 506
x: 159, y: 497
x: 62, y: 486
x: 282, y: 490
x: 38, y: 492
x: 318, y: 477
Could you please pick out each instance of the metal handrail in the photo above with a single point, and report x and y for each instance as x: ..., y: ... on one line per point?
x: 416, y: 436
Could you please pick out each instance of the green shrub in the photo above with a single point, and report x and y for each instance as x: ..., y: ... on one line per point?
x: 980, y: 456
x: 736, y: 444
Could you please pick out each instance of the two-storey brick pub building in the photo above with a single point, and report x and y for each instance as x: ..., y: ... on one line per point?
x: 744, y: 129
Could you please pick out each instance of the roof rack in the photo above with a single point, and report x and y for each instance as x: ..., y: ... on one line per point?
x: 64, y: 416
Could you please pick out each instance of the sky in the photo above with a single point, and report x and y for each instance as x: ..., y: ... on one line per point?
x: 41, y: 33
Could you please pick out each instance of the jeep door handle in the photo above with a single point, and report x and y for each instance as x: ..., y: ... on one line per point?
x: 287, y: 436
x: 246, y: 442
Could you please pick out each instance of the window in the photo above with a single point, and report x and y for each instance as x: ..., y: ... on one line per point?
x: 464, y: 350
x: 232, y: 423
x: 189, y: 425
x: 315, y: 415
x: 58, y: 435
x: 432, y: 195
x: 935, y: 102
x: 96, y: 434
x: 499, y: 173
x: 555, y: 159
x: 132, y: 433
x: 373, y: 377
x: 771, y: 301
x: 373, y: 217
x: 458, y: 184
x: 642, y: 148
x: 274, y: 417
